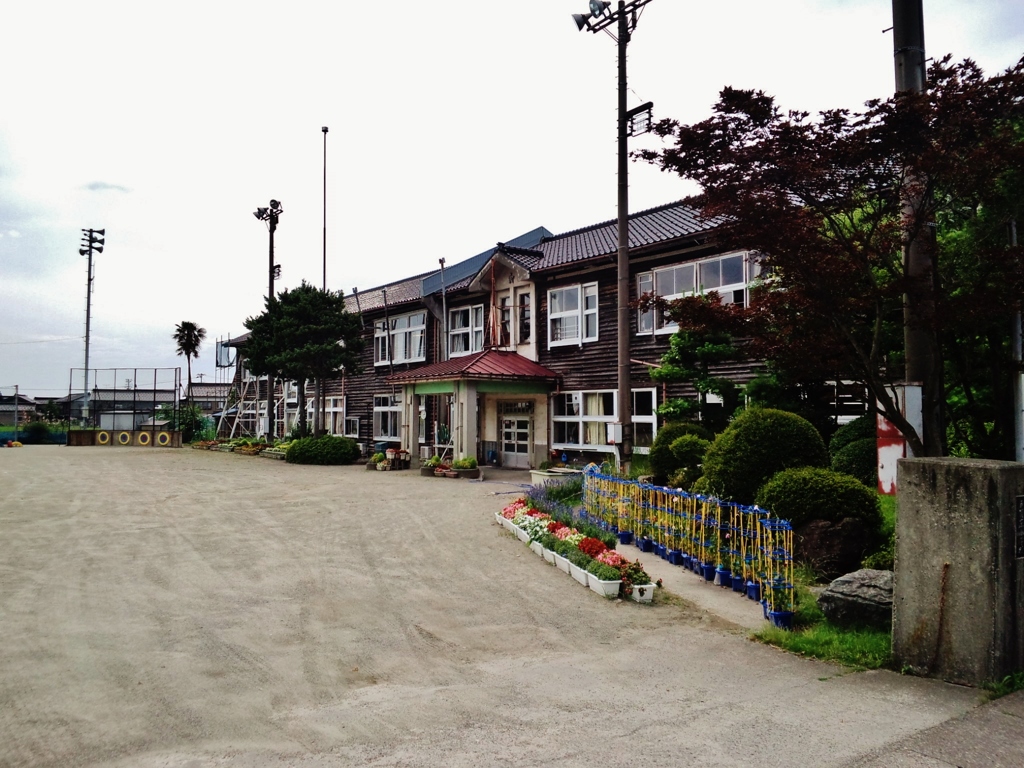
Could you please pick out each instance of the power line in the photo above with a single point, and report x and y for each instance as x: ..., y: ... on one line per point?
x: 42, y: 341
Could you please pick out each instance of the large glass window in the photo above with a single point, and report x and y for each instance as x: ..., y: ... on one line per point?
x: 465, y: 330
x: 387, y: 416
x: 730, y: 275
x: 580, y: 419
x: 572, y: 314
x: 525, y: 327
x: 406, y: 342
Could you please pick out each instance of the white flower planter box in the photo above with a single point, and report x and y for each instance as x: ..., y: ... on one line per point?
x: 579, y: 574
x: 643, y: 593
x: 604, y: 588
x: 509, y: 525
x: 549, y: 556
x: 561, y: 563
x: 537, y: 548
x: 523, y: 535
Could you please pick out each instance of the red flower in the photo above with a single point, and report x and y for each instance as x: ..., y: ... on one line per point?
x: 554, y: 525
x: 592, y: 547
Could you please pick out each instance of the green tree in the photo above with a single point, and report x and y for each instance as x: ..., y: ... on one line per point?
x: 188, y: 337
x: 304, y: 333
x: 821, y: 201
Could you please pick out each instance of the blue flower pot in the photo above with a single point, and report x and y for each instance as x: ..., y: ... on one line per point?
x: 645, y: 544
x: 781, y: 619
x: 723, y: 577
x: 685, y: 561
x: 675, y: 557
x: 708, y: 571
x: 739, y: 584
x: 659, y: 550
x: 764, y: 608
x: 613, y: 529
x: 625, y: 537
x: 754, y: 591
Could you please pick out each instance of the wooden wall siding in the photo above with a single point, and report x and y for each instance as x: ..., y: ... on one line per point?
x: 594, y: 365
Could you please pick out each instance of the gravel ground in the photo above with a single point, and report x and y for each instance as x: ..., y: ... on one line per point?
x: 182, y: 608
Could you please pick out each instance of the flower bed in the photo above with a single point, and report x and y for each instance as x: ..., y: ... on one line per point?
x: 586, y: 553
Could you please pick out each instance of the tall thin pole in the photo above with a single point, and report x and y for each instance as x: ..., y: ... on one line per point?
x: 624, y: 404
x: 919, y: 340
x: 444, y: 315
x: 88, y: 319
x: 324, y: 129
x: 15, y: 413
x: 1018, y: 356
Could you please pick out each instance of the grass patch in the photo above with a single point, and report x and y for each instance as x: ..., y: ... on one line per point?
x: 814, y: 637
x: 857, y: 648
x: 1006, y: 686
x: 888, y: 504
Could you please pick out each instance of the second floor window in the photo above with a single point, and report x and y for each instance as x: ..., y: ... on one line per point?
x: 572, y: 314
x: 466, y: 330
x: 730, y: 275
x: 406, y: 342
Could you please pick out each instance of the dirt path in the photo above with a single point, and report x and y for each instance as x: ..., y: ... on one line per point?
x: 187, y: 608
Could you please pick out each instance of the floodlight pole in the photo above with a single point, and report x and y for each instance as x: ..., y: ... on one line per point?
x: 270, y: 215
x: 90, y: 243
x: 625, y: 17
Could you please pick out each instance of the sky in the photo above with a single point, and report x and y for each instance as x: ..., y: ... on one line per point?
x: 452, y: 126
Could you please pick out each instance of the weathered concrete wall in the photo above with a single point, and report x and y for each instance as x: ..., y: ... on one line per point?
x: 958, y: 600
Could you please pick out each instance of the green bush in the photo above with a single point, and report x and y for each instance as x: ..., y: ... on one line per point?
x: 467, y: 463
x: 689, y: 451
x: 756, y: 445
x: 860, y: 428
x: 326, y: 449
x: 860, y: 459
x: 579, y: 558
x: 662, y: 459
x: 34, y: 433
x: 808, y: 493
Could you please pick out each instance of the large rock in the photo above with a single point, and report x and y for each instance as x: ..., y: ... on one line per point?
x: 834, y: 548
x: 862, y: 598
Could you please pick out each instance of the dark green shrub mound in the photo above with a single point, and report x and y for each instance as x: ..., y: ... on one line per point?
x: 662, y: 459
x: 807, y: 493
x: 327, y: 449
x: 34, y: 433
x: 689, y: 451
x: 860, y: 459
x: 756, y: 445
x: 860, y: 428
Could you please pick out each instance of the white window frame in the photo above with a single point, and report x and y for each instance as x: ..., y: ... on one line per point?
x: 387, y: 408
x: 408, y: 332
x: 646, y: 282
x: 473, y: 331
x: 577, y: 316
x: 584, y: 400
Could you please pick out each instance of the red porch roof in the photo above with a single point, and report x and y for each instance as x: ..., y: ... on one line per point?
x: 491, y: 364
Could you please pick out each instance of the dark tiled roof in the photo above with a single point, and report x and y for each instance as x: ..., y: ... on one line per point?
x: 458, y: 275
x: 657, y: 225
x: 399, y: 292
x: 238, y: 340
x: 489, y: 364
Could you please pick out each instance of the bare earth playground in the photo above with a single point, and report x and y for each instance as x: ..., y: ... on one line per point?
x: 171, y: 607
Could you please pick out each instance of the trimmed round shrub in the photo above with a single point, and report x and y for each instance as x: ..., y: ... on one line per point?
x: 808, y: 493
x: 662, y: 459
x: 860, y: 459
x: 756, y: 445
x: 326, y: 449
x: 861, y: 428
x: 689, y: 451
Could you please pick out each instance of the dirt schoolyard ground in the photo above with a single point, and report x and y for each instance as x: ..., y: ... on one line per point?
x: 177, y: 608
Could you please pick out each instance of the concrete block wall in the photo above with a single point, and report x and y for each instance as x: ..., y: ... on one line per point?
x: 958, y: 600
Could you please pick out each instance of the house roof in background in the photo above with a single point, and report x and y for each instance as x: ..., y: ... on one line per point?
x: 488, y: 365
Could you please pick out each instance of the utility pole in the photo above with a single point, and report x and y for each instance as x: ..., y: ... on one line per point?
x: 92, y: 240
x: 15, y: 413
x: 1018, y: 376
x: 625, y: 18
x: 919, y: 336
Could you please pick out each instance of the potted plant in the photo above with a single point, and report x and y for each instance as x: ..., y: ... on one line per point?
x: 466, y: 467
x: 579, y: 561
x: 429, y: 465
x: 604, y: 579
x: 635, y: 582
x: 376, y: 459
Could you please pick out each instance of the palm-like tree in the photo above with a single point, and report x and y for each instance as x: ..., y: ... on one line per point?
x: 189, y: 337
